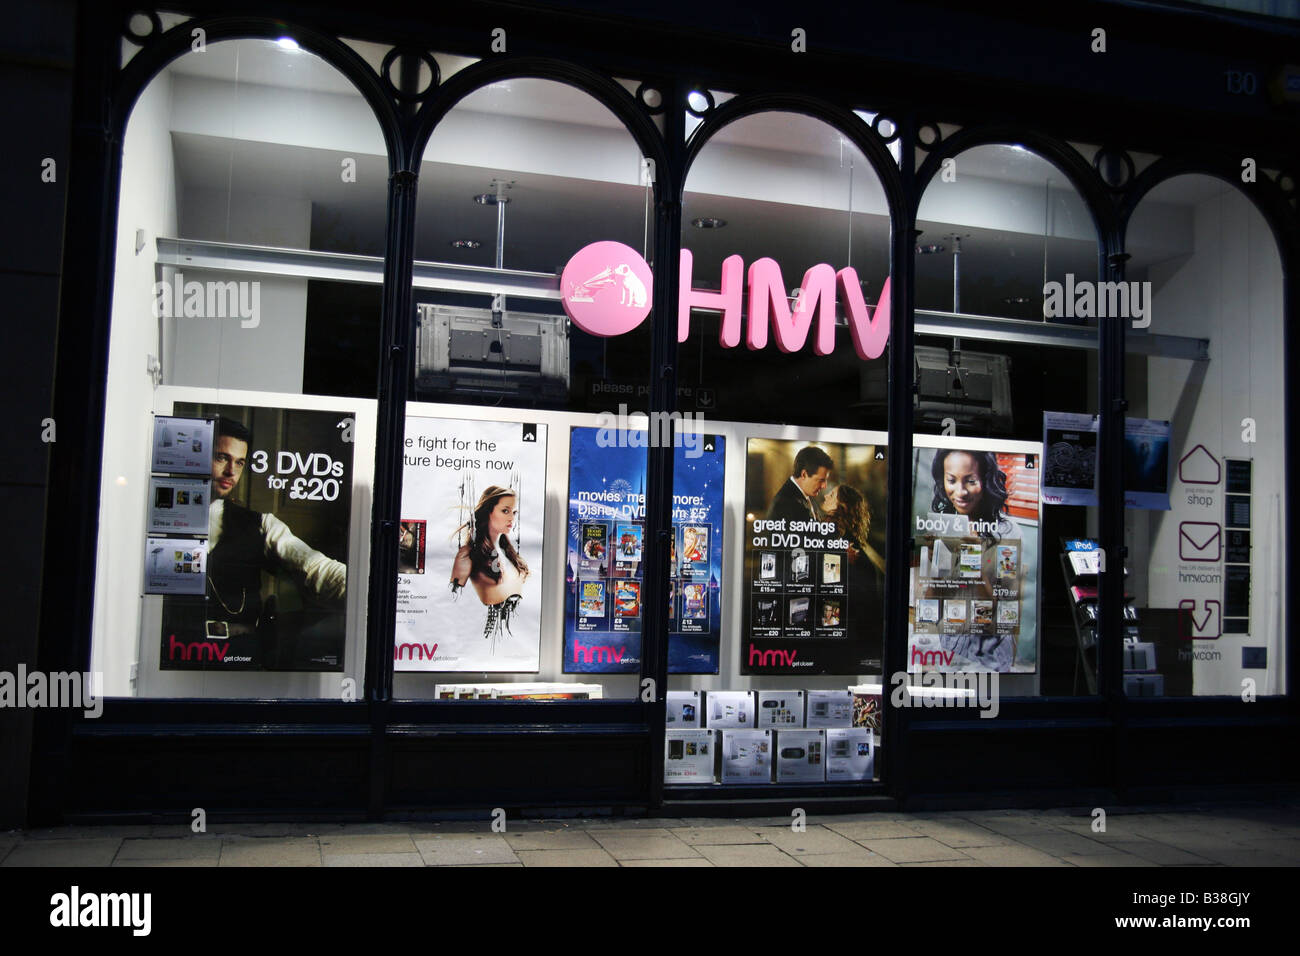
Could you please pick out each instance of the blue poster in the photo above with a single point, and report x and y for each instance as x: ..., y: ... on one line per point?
x: 604, y: 597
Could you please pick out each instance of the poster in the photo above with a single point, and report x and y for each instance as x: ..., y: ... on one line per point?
x: 604, y: 603
x: 279, y: 495
x: 179, y: 505
x: 182, y: 446
x: 974, y: 568
x: 174, y: 565
x: 1070, y: 461
x: 469, y: 590
x: 814, y: 571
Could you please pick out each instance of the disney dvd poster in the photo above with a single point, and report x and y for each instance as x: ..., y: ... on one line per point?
x: 604, y: 603
x: 469, y: 594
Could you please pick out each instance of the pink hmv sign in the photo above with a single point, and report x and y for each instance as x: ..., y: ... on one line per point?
x: 607, y: 290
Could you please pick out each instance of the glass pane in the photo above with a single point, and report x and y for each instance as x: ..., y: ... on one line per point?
x: 1203, y: 453
x: 235, y: 497
x: 533, y: 213
x: 777, y: 566
x: 1006, y: 405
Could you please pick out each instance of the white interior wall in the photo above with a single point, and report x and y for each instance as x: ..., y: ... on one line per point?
x: 148, y: 202
x: 1230, y: 292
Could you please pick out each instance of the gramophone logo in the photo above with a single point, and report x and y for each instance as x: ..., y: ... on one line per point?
x: 606, y: 288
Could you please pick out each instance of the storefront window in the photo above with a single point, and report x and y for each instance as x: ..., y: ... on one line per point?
x: 1006, y: 405
x: 239, y: 430
x: 535, y: 210
x: 776, y: 630
x: 1203, y: 450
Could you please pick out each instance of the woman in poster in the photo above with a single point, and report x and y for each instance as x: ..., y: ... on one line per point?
x: 970, y: 483
x: 488, y: 558
x: 848, y: 509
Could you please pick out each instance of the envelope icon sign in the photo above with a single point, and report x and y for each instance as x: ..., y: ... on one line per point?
x: 1200, y: 541
x: 1200, y: 625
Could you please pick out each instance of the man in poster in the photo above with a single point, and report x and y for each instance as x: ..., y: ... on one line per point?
x: 793, y: 502
x: 242, y: 543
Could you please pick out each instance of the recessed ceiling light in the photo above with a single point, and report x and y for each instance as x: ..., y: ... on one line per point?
x: 1018, y: 300
x: 930, y: 249
x: 288, y: 43
x: 490, y: 199
x: 708, y: 222
x: 465, y: 243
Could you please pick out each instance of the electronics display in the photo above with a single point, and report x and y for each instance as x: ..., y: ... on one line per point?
x: 729, y: 708
x: 829, y: 708
x: 780, y: 709
x: 684, y: 709
x: 182, y: 446
x: 745, y: 756
x: 689, y: 756
x: 850, y: 754
x: 1139, y: 656
x: 179, y: 505
x: 800, y: 756
x: 1144, y: 685
x: 518, y: 691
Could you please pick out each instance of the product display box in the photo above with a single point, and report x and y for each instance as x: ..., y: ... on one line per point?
x: 744, y: 756
x: 1144, y: 685
x: 850, y: 754
x: 729, y: 709
x: 829, y: 708
x: 1139, y: 656
x: 780, y: 709
x: 689, y: 756
x: 800, y: 756
x: 683, y: 710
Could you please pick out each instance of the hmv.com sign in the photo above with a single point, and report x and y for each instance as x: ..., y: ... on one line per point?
x: 607, y: 290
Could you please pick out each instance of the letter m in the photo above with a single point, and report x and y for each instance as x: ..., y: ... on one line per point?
x: 411, y: 650
x: 1115, y: 297
x: 223, y: 299
x: 767, y: 295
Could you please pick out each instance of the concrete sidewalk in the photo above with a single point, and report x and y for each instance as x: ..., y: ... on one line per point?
x: 1217, y: 836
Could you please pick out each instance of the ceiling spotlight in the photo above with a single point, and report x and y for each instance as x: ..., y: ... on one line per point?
x: 1018, y: 300
x: 708, y: 222
x: 288, y: 43
x: 465, y: 243
x: 930, y: 250
x: 490, y: 199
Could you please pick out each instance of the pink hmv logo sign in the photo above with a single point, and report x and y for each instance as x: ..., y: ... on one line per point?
x: 607, y: 290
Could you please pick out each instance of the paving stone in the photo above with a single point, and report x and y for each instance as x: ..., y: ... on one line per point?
x: 945, y: 863
x: 688, y: 861
x: 270, y: 851
x: 1288, y: 847
x: 86, y: 833
x: 1160, y: 854
x: 203, y: 862
x: 551, y: 840
x: 1107, y: 859
x: 960, y: 833
x: 177, y: 848
x: 622, y: 846
x: 7, y: 843
x: 1060, y: 843
x: 857, y: 857
x: 596, y: 857
x: 1013, y: 856
x: 1243, y: 856
x: 83, y: 852
x: 464, y: 849
x: 872, y: 830
x: 913, y: 849
x: 746, y: 855
x: 718, y: 836
x: 372, y: 859
x: 367, y: 843
x: 814, y: 840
